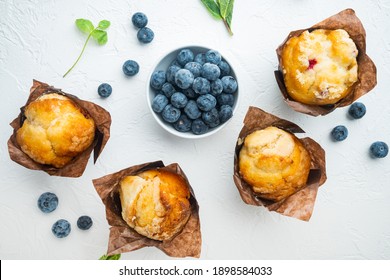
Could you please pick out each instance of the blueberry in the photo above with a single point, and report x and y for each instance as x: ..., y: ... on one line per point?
x: 84, y: 222
x: 210, y: 71
x: 194, y: 68
x: 184, y: 78
x: 170, y: 113
x: 339, y: 133
x: 183, y: 124
x: 211, y: 118
x: 225, y: 99
x: 130, y: 68
x: 190, y: 93
x: 213, y: 57
x: 48, y: 202
x: 199, y: 127
x: 168, y: 89
x: 159, y: 102
x: 61, y: 228
x: 145, y: 35
x: 158, y: 79
x: 179, y: 100
x: 185, y: 56
x: 225, y: 113
x: 192, y: 110
x: 216, y: 87
x: 175, y: 63
x: 104, y: 90
x: 229, y: 84
x: 201, y: 85
x: 379, y: 149
x: 206, y: 102
x: 139, y: 20
x: 200, y: 58
x: 224, y: 67
x: 357, y: 110
x: 171, y: 72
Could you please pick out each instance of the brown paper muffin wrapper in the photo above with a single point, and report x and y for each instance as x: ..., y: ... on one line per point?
x: 367, y: 80
x: 300, y: 204
x: 125, y: 239
x: 77, y: 166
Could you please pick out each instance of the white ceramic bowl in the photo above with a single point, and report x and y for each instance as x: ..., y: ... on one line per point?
x: 163, y: 64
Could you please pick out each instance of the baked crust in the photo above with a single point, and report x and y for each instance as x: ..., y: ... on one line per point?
x: 155, y: 203
x: 274, y: 163
x: 55, y: 130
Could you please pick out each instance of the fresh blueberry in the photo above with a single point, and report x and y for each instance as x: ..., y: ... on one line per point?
x: 224, y: 67
x: 216, y: 87
x: 190, y: 93
x: 175, y: 63
x: 199, y: 127
x: 159, y: 102
x: 225, y: 99
x: 145, y: 35
x: 139, y: 20
x: 194, y: 68
x: 225, y: 113
x: 171, y: 72
x: 201, y: 85
x: 104, y: 90
x: 84, y: 222
x: 185, y: 56
x: 183, y: 124
x: 192, y: 110
x: 48, y: 202
x: 206, y: 102
x: 357, y: 110
x: 211, y: 118
x: 200, y: 58
x: 229, y: 84
x: 170, y: 113
x: 184, y: 78
x: 61, y: 228
x: 339, y: 133
x: 379, y: 149
x: 130, y: 68
x: 158, y: 79
x: 213, y: 57
x: 179, y: 100
x: 168, y: 89
x: 210, y: 71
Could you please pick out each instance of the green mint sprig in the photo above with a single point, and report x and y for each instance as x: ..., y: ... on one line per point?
x: 221, y: 9
x: 98, y: 33
x: 109, y: 258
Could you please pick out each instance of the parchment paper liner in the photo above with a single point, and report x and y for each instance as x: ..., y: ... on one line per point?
x: 125, y: 239
x: 300, y: 204
x: 367, y: 80
x: 77, y: 166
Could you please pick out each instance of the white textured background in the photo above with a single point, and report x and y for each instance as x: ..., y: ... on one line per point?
x: 38, y: 39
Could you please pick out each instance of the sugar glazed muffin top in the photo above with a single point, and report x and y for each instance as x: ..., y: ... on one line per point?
x: 319, y: 67
x: 55, y: 130
x: 274, y: 163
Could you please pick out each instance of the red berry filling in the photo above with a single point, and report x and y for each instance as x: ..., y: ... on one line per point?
x: 312, y: 63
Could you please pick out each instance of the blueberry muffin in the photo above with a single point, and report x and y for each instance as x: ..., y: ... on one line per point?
x: 274, y: 163
x: 55, y: 130
x: 320, y: 67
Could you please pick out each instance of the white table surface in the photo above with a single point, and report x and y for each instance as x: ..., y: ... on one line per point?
x: 39, y: 40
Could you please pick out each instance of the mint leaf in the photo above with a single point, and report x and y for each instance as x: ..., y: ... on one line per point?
x: 113, y: 257
x: 104, y: 24
x: 212, y: 7
x: 84, y: 25
x: 100, y: 36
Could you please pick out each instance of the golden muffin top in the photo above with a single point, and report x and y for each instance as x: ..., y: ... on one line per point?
x: 155, y: 203
x: 319, y: 67
x: 55, y: 130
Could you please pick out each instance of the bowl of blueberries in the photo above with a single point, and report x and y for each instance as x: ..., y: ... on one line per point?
x: 193, y: 92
